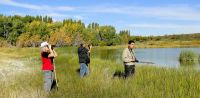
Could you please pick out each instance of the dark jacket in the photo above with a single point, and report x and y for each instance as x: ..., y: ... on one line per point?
x: 83, y: 55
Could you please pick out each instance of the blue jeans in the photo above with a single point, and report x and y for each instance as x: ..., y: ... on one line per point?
x: 48, y: 80
x: 83, y: 69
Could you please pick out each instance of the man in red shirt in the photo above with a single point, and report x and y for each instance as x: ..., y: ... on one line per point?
x: 47, y: 65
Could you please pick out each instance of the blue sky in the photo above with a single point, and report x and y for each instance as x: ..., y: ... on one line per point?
x: 141, y: 17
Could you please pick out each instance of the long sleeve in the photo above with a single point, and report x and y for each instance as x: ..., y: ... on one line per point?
x: 126, y: 57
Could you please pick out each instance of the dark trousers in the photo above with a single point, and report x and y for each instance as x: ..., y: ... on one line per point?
x: 129, y: 70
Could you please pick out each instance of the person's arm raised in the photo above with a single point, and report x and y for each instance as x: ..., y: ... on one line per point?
x: 51, y: 52
x: 55, y: 53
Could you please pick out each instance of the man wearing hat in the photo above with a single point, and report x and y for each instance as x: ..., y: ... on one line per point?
x: 47, y: 66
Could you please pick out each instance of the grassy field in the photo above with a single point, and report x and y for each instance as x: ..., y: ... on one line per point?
x: 150, y: 82
x: 169, y: 44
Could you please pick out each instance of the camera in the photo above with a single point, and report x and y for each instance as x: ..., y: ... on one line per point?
x: 52, y: 46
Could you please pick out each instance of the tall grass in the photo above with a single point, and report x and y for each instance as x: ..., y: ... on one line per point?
x: 199, y: 58
x: 187, y: 56
x: 148, y: 81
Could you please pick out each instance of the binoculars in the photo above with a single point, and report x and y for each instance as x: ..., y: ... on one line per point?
x: 52, y: 46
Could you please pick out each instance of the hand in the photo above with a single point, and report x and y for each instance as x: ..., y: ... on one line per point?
x: 49, y: 46
x: 132, y: 60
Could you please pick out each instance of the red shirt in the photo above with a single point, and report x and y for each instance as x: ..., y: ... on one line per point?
x: 46, y: 61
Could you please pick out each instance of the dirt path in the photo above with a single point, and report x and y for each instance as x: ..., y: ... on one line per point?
x: 10, y: 67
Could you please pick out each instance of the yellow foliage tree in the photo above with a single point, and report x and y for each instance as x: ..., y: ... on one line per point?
x: 60, y: 38
x: 22, y: 40
x: 35, y: 40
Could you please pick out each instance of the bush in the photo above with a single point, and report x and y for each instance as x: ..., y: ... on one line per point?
x: 3, y: 43
x: 187, y: 56
x: 102, y: 43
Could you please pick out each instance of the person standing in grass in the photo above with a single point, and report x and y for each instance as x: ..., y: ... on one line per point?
x: 83, y: 59
x: 47, y: 66
x: 129, y: 59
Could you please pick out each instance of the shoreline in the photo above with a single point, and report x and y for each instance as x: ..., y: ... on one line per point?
x: 146, y: 44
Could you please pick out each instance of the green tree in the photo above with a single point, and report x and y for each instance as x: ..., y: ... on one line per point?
x: 107, y: 34
x: 28, y: 19
x: 124, y: 36
x: 17, y: 29
x: 38, y: 28
x: 75, y: 30
x: 91, y: 34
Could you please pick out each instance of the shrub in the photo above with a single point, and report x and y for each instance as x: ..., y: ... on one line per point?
x: 187, y: 56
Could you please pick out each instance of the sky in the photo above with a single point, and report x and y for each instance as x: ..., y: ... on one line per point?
x: 141, y: 17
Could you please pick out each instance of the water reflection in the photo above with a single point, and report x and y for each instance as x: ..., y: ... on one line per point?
x: 108, y: 54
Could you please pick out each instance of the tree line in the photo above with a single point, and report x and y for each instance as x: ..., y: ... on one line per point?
x: 174, y: 37
x: 30, y: 31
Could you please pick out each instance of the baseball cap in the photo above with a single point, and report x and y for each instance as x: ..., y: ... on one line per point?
x: 43, y: 44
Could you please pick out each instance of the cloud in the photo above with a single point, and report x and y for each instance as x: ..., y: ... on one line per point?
x: 167, y: 12
x: 183, y: 12
x: 175, y: 13
x: 44, y: 10
x: 22, y: 5
x: 36, y: 7
x: 156, y: 29
x: 78, y: 17
x: 149, y: 29
x: 56, y: 15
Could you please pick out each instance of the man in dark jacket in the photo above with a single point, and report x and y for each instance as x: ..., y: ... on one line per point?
x: 83, y: 60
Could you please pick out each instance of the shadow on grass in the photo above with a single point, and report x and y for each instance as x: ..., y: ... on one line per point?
x: 118, y: 74
x: 78, y: 70
x: 54, y: 86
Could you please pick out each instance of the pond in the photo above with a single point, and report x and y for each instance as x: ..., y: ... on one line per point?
x: 163, y: 57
